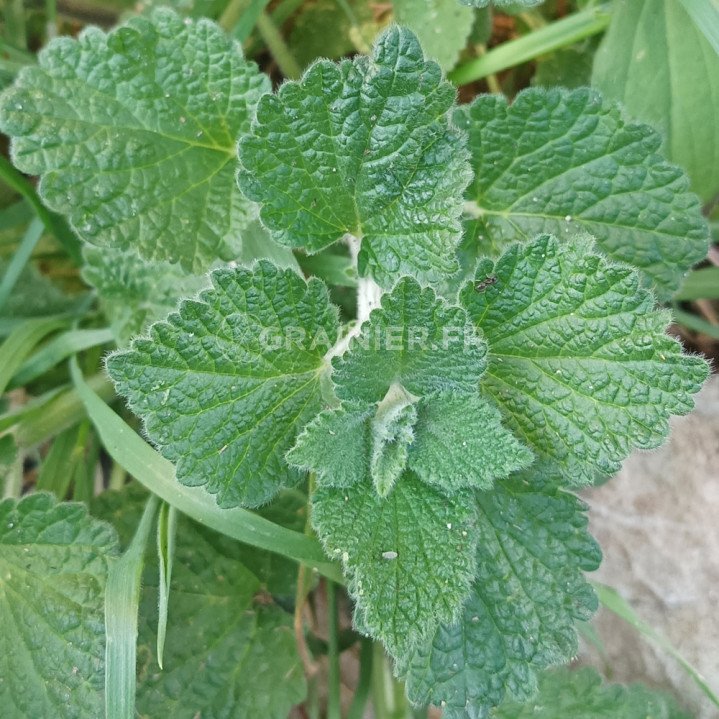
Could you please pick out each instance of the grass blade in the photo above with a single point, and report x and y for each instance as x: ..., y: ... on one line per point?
x: 695, y: 323
x: 554, y: 36
x: 334, y: 708
x: 705, y: 14
x: 57, y: 350
x: 166, y: 530
x: 53, y: 223
x: 20, y: 342
x: 20, y: 259
x: 359, y: 703
x: 58, y: 467
x: 152, y: 470
x: 614, y: 602
x: 122, y: 598
x: 700, y: 285
x: 53, y: 412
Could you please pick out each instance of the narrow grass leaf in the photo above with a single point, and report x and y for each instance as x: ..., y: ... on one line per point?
x: 166, y: 531
x: 20, y: 259
x: 122, y: 598
x: 57, y: 350
x: 20, y: 343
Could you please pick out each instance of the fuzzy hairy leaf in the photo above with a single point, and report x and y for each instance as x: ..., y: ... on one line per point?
x: 225, y: 384
x: 582, y: 695
x: 566, y: 162
x: 336, y: 444
x: 456, y: 443
x: 230, y: 651
x: 363, y: 147
x: 134, y: 135
x: 442, y: 27
x: 53, y: 567
x: 134, y: 292
x: 409, y: 557
x: 657, y: 62
x: 532, y: 547
x: 581, y: 365
x: 460, y: 442
x: 414, y: 339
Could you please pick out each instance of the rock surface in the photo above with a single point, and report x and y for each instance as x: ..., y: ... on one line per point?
x: 658, y: 525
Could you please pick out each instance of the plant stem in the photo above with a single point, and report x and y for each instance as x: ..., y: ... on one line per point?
x: 334, y: 710
x: 559, y: 34
x: 278, y: 47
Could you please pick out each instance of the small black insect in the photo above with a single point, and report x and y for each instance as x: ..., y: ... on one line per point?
x: 482, y: 285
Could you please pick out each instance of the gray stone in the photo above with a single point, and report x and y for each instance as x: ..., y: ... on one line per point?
x: 658, y: 525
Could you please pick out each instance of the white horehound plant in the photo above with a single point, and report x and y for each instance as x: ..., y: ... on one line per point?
x: 507, y: 348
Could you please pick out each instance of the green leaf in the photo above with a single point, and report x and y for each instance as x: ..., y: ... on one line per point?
x: 532, y: 547
x: 580, y: 364
x: 582, y: 695
x: 122, y: 599
x: 409, y: 557
x: 392, y: 431
x: 336, y: 444
x: 700, y: 284
x: 134, y: 135
x: 441, y: 26
x: 705, y: 14
x: 8, y: 453
x: 410, y: 381
x: 131, y: 452
x: 229, y: 650
x: 53, y: 567
x: 569, y: 67
x: 224, y: 385
x: 451, y: 443
x: 416, y: 340
x: 566, y: 162
x: 363, y: 147
x: 460, y: 442
x: 661, y: 67
x: 134, y: 292
x: 34, y: 295
x: 326, y: 29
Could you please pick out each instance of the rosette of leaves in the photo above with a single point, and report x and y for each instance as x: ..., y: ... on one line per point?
x: 445, y: 436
